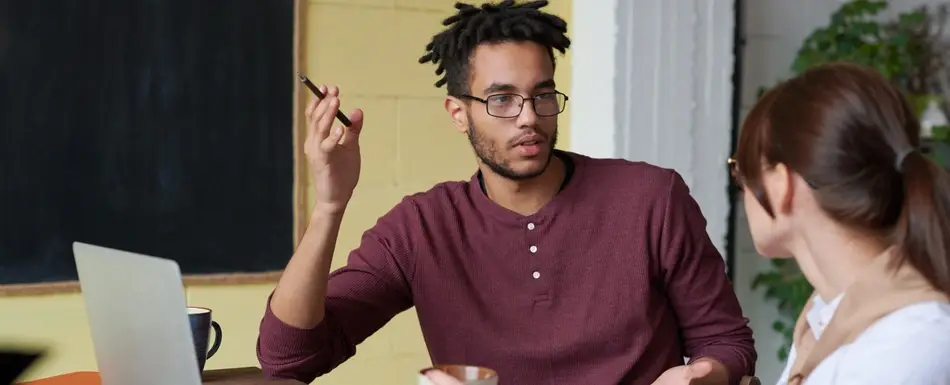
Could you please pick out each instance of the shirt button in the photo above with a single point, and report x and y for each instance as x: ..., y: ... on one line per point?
x: 531, y: 226
x: 536, y: 275
x: 533, y: 249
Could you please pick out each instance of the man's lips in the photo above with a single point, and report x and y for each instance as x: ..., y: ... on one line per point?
x: 530, y: 140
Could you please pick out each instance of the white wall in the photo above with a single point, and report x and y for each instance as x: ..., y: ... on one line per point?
x: 774, y: 30
x: 652, y: 81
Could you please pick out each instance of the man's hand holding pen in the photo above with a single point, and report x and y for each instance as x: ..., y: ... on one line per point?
x: 333, y: 151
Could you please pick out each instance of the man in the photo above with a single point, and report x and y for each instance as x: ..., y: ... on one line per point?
x: 547, y: 266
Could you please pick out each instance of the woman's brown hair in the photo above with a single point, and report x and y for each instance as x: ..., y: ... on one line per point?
x: 853, y: 137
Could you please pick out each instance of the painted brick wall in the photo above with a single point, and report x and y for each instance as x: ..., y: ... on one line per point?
x: 370, y: 48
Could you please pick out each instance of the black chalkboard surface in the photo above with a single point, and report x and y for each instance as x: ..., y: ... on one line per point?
x: 162, y: 127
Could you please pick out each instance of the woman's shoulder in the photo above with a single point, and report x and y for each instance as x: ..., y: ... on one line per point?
x: 917, y: 320
x: 908, y: 346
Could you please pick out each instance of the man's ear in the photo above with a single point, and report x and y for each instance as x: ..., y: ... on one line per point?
x: 456, y: 110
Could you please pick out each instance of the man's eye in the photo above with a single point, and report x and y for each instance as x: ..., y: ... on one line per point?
x: 501, y: 99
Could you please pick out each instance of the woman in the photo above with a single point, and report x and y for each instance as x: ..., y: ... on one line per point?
x: 832, y: 174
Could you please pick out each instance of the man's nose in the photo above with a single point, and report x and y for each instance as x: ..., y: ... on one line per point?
x: 528, y: 116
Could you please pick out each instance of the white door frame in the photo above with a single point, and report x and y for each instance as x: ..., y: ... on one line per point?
x: 652, y: 81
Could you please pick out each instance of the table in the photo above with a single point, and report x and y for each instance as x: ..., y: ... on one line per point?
x: 234, y: 376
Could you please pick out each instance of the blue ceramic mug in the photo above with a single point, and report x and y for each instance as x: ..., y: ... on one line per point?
x: 201, y: 325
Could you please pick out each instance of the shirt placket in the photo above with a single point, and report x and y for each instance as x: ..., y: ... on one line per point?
x: 539, y: 273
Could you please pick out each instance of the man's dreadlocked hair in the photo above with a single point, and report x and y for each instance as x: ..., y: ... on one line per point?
x: 506, y: 21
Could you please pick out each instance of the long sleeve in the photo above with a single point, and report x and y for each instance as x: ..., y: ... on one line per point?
x: 711, y: 320
x: 362, y: 297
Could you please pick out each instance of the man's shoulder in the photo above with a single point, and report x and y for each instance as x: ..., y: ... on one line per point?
x: 440, y: 197
x: 630, y: 175
x: 421, y: 209
x: 439, y: 194
x: 626, y: 167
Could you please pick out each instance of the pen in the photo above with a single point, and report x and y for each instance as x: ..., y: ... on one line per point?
x: 313, y: 88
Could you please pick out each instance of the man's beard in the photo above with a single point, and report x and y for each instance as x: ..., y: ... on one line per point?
x: 488, y: 154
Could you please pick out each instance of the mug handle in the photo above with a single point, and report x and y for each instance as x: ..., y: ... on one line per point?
x: 217, y: 339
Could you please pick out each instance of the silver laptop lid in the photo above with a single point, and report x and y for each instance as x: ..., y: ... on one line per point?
x: 138, y: 317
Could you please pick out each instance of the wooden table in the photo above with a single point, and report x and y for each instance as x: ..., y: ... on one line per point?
x: 237, y: 376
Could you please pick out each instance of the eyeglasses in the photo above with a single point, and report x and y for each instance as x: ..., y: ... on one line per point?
x: 737, y: 177
x: 734, y: 171
x: 510, y: 105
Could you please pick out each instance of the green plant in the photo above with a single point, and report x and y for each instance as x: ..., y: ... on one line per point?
x: 940, y: 143
x: 853, y: 35
x: 904, y: 50
x: 786, y: 285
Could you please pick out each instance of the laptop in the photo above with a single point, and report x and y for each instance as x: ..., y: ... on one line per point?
x: 138, y: 317
x: 15, y: 362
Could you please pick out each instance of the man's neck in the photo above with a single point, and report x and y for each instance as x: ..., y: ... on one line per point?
x: 525, y: 197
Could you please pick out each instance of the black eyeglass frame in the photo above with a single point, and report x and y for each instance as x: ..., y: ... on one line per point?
x: 534, y: 105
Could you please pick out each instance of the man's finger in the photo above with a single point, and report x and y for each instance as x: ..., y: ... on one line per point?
x: 700, y: 369
x: 326, y: 116
x: 351, y: 134
x: 440, y: 378
x: 356, y: 118
x: 311, y: 116
x: 333, y: 139
x: 311, y: 107
x: 314, y: 114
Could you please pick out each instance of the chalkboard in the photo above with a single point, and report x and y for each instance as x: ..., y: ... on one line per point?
x: 162, y: 127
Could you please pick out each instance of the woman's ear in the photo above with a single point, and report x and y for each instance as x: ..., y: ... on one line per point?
x: 781, y: 185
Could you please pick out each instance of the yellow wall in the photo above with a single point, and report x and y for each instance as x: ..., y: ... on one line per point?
x: 378, y: 72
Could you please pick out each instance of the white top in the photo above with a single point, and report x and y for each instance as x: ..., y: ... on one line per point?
x: 908, y: 346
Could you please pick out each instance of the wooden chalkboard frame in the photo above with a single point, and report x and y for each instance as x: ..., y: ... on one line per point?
x: 300, y: 189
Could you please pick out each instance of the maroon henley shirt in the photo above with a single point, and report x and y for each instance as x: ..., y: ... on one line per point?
x: 612, y: 282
